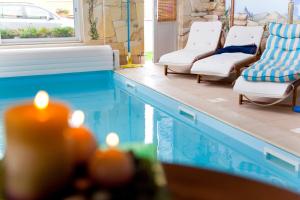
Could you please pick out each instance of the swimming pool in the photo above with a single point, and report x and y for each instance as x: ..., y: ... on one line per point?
x: 138, y: 114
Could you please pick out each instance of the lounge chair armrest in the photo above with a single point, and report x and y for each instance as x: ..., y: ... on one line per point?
x: 296, y: 83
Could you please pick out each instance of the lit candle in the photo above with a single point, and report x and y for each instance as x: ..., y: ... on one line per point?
x: 111, y: 167
x: 36, y: 158
x: 81, y: 139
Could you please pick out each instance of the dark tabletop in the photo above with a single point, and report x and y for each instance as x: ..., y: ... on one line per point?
x: 190, y: 183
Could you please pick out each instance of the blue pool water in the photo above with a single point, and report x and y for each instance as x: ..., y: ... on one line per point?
x: 138, y: 114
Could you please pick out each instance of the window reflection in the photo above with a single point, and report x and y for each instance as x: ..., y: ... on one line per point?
x: 148, y: 124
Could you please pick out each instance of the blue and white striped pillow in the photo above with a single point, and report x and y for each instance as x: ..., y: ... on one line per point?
x: 285, y: 30
x: 280, y: 61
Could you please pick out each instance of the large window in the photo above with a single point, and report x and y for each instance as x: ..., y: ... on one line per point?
x: 38, y: 21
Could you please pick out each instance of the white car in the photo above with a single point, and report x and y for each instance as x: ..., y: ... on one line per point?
x: 24, y: 15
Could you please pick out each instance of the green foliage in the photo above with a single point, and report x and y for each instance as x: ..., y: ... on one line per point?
x: 149, y: 56
x: 92, y: 4
x: 93, y: 31
x: 44, y: 32
x: 28, y: 33
x: 62, y: 32
x: 32, y: 32
x: 7, y: 34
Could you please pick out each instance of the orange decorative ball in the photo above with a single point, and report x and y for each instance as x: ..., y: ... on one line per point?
x: 111, y: 168
x: 83, y: 144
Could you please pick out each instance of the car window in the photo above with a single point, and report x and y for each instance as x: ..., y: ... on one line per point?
x: 36, y: 13
x: 11, y: 12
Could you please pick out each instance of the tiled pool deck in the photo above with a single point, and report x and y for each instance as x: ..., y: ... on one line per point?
x: 276, y: 125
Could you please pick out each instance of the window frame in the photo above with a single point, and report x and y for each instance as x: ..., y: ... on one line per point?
x: 36, y: 41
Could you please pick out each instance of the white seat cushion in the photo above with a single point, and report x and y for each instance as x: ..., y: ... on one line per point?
x: 204, y: 35
x: 219, y: 65
x: 203, y: 38
x: 182, y: 60
x: 244, y: 35
x: 262, y: 89
x: 183, y: 57
x: 222, y: 64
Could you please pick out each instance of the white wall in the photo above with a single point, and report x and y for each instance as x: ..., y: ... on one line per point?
x: 165, y: 37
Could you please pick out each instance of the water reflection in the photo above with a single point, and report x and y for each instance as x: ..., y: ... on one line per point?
x: 149, y: 124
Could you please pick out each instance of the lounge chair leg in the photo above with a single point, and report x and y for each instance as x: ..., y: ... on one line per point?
x: 198, y: 78
x: 166, y: 70
x: 295, y: 95
x: 240, y: 99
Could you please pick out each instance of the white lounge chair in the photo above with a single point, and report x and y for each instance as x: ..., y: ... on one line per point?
x: 276, y: 75
x: 277, y: 91
x: 203, y: 40
x: 222, y: 65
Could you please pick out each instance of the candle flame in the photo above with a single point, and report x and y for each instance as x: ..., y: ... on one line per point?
x: 112, y: 140
x: 41, y: 100
x: 77, y: 119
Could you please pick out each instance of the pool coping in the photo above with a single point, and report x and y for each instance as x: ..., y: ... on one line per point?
x: 268, y: 141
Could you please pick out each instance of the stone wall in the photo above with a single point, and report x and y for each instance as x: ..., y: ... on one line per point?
x: 197, y: 10
x: 112, y: 26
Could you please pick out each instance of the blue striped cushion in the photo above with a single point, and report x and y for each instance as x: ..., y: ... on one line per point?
x: 285, y: 30
x: 280, y: 61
